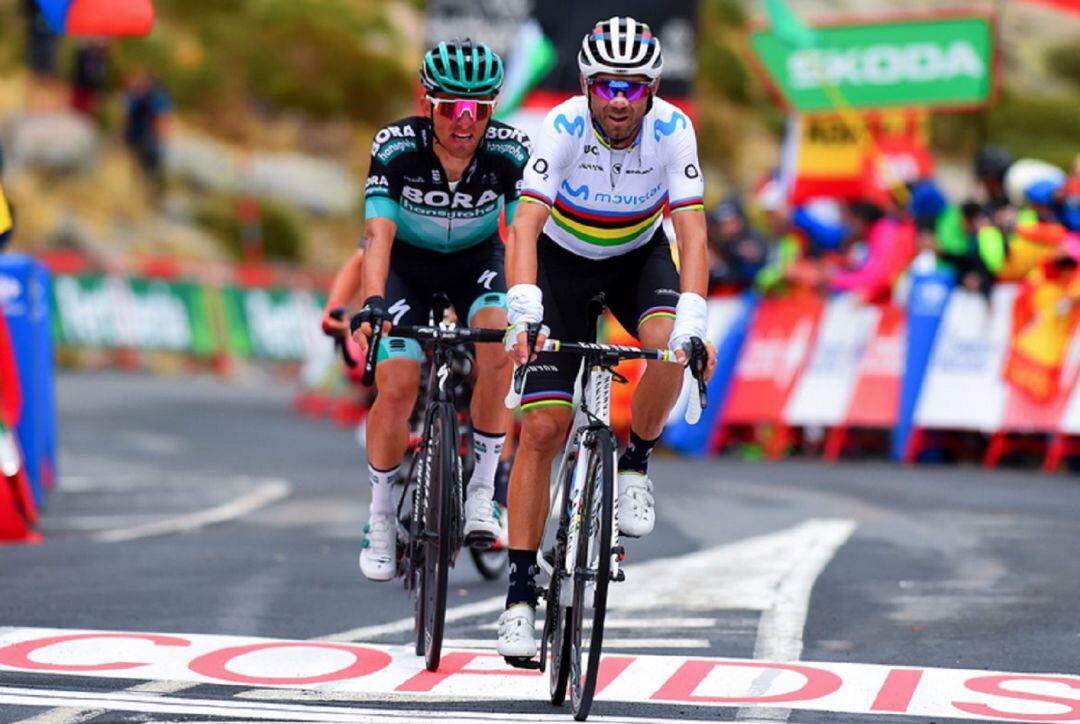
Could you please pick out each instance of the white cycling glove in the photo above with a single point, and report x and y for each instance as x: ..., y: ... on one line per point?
x: 524, y: 306
x: 691, y: 320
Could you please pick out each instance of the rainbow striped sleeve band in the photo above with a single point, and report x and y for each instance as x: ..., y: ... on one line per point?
x: 694, y: 202
x: 546, y: 399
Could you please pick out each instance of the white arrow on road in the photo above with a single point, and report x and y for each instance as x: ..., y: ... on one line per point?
x: 772, y: 573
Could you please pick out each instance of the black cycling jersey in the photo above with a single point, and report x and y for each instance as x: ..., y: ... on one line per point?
x: 407, y: 184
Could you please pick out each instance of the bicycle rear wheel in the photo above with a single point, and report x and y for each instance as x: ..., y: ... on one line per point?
x: 442, y: 463
x: 592, y: 572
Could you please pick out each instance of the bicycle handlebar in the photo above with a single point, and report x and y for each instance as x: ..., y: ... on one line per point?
x: 340, y: 342
x: 452, y: 335
x: 697, y: 359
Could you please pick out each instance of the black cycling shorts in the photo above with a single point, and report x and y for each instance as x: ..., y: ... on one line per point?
x: 472, y: 279
x: 637, y: 286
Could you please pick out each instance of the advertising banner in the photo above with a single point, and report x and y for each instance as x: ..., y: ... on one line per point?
x: 823, y: 391
x: 113, y: 312
x: 271, y: 324
x: 937, y: 62
x: 964, y: 389
x: 779, y: 343
x: 875, y: 401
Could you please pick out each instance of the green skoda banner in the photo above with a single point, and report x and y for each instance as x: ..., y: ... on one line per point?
x: 940, y: 63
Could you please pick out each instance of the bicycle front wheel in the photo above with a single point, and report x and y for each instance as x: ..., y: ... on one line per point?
x: 438, y: 530
x: 592, y: 571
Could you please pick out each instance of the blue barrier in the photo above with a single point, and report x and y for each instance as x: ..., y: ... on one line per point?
x: 24, y: 297
x: 926, y: 306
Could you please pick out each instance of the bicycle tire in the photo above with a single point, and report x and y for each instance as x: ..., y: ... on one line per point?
x: 557, y: 622
x: 414, y: 569
x: 594, y: 543
x: 438, y: 543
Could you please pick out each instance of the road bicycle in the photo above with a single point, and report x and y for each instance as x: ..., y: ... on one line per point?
x: 490, y: 562
x: 580, y: 552
x: 431, y: 507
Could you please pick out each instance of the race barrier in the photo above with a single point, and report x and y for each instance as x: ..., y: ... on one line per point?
x: 832, y: 372
x: 24, y: 301
x: 18, y: 511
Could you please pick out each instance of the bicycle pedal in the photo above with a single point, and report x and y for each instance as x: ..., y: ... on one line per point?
x: 520, y: 662
x: 619, y: 552
x: 481, y: 541
x: 619, y: 577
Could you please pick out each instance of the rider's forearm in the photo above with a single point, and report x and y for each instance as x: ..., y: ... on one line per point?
x: 521, y: 243
x: 520, y: 257
x: 346, y: 288
x: 376, y: 260
x: 693, y: 251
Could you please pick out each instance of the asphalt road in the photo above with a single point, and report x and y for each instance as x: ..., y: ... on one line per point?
x: 192, y: 508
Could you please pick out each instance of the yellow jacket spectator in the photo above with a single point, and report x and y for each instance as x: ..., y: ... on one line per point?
x: 7, y: 222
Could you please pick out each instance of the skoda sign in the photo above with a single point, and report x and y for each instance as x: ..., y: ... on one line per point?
x: 943, y: 62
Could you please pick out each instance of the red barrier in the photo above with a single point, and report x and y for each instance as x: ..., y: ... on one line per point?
x: 17, y: 509
x: 774, y: 354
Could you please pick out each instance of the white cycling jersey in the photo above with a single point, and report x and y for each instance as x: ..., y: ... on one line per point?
x: 598, y: 211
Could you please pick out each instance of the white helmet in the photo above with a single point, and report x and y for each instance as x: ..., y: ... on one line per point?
x: 621, y: 46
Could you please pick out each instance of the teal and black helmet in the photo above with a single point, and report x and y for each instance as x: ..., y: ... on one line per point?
x: 462, y: 68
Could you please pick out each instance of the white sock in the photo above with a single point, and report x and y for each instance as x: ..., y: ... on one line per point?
x: 486, y: 451
x: 382, y: 490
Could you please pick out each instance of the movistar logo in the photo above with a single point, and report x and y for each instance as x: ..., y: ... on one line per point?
x: 580, y: 191
x: 577, y: 128
x: 661, y: 128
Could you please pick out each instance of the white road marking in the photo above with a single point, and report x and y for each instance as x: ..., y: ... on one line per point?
x: 773, y: 573
x: 75, y: 715
x: 457, y: 613
x: 268, y: 492
x: 610, y: 643
x: 257, y: 710
x: 642, y: 623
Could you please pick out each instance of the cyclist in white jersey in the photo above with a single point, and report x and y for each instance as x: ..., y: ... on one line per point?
x: 604, y: 168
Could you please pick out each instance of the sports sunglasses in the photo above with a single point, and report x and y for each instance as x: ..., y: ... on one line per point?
x: 608, y: 89
x: 455, y: 108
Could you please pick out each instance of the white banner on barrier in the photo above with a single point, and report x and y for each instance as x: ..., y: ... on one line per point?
x: 1070, y: 419
x: 822, y: 394
x: 963, y: 388
x: 723, y: 312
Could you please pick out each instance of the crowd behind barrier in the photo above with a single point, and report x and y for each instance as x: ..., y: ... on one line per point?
x: 898, y: 310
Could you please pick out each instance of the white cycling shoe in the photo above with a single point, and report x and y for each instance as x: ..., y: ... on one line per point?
x: 517, y: 636
x: 378, y: 552
x: 637, y: 514
x: 483, y: 520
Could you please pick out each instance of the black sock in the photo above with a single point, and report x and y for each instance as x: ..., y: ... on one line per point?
x: 636, y: 456
x: 523, y: 570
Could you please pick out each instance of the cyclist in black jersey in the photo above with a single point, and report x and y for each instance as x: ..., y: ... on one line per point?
x: 436, y: 187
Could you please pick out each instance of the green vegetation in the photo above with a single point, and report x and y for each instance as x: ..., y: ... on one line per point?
x: 324, y: 58
x: 1064, y: 61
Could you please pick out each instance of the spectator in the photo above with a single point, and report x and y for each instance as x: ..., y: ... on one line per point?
x: 41, y: 47
x: 991, y: 165
x: 1038, y: 232
x: 89, y: 70
x: 149, y: 110
x: 979, y: 259
x: 736, y: 252
x: 881, y: 250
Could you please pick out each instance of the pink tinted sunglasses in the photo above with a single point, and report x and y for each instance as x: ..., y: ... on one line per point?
x: 455, y: 108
